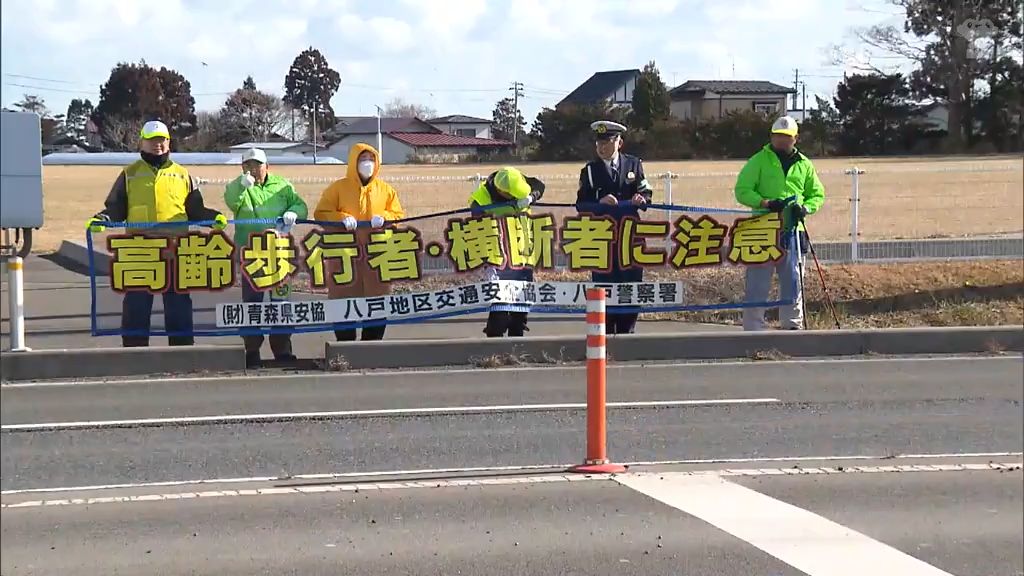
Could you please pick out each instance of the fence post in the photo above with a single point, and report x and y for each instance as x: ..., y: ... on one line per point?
x: 596, y: 461
x: 16, y: 295
x: 855, y: 173
x: 668, y: 200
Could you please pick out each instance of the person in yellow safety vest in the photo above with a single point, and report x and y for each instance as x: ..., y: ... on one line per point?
x: 156, y: 189
x: 506, y: 185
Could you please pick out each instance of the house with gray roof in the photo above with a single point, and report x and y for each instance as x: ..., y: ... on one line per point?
x: 462, y: 125
x: 708, y: 99
x: 614, y: 86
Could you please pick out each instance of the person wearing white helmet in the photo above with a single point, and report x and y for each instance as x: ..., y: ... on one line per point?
x: 156, y: 189
x: 780, y: 178
x: 259, y: 194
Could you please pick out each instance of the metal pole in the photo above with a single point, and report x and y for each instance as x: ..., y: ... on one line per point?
x: 596, y: 461
x: 314, y: 132
x: 668, y: 200
x: 855, y: 214
x: 380, y: 139
x: 16, y: 294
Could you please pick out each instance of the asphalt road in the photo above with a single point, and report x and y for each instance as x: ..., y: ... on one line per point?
x: 823, y: 408
x: 963, y: 522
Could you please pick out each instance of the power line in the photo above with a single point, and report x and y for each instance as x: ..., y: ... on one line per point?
x: 43, y: 79
x: 48, y: 89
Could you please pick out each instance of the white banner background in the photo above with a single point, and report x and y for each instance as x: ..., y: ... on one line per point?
x: 444, y: 301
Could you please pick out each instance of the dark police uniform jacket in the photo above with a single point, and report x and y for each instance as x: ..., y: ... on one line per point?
x: 595, y: 183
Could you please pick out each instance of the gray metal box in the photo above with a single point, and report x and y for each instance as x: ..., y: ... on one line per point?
x: 21, y: 171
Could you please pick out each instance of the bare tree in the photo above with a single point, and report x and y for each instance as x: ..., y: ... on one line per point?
x: 254, y: 115
x: 398, y: 108
x: 119, y: 133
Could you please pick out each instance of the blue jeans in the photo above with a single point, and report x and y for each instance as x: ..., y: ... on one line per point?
x: 137, y: 312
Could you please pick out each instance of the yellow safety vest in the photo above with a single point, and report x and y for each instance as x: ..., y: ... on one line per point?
x: 156, y: 196
x: 482, y: 196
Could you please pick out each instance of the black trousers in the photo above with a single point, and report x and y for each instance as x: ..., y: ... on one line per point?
x: 369, y: 333
x: 137, y: 312
x: 498, y: 323
x: 280, y: 344
x: 619, y: 322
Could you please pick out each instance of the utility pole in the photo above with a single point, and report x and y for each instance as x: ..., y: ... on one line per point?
x: 517, y: 90
x: 380, y: 139
x: 796, y: 85
x: 803, y: 105
x: 314, y: 131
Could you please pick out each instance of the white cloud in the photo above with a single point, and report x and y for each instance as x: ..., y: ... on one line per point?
x: 471, y: 49
x: 378, y: 34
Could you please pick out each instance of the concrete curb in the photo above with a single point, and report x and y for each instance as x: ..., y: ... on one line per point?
x: 100, y: 362
x: 688, y: 346
x: 78, y: 252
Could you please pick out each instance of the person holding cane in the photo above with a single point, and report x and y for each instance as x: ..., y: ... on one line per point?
x: 780, y: 178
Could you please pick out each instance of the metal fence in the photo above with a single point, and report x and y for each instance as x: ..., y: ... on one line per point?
x: 913, y: 211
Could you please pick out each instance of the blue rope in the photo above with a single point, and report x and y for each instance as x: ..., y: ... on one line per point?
x: 582, y: 207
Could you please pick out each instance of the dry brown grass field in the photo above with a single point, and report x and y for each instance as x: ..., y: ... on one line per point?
x: 900, y: 197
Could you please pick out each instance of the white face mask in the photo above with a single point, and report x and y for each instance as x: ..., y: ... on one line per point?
x: 366, y: 168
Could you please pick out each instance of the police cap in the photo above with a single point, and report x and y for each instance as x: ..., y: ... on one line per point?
x: 606, y: 129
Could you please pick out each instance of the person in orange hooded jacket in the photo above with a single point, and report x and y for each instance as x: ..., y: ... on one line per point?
x: 361, y: 196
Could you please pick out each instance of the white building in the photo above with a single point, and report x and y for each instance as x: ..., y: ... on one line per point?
x: 407, y: 139
x: 460, y: 125
x: 286, y: 148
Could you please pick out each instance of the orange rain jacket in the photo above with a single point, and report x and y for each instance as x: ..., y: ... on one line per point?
x: 349, y: 196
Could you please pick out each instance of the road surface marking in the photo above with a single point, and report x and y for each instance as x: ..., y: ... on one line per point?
x: 251, y: 378
x: 341, y: 414
x: 625, y: 479
x: 495, y: 469
x: 804, y: 540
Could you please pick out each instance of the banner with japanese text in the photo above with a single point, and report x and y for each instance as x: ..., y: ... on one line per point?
x: 465, y: 264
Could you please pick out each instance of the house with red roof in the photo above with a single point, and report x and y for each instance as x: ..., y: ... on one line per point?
x: 408, y: 140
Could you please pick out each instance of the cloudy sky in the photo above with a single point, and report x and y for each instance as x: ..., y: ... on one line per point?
x: 457, y: 56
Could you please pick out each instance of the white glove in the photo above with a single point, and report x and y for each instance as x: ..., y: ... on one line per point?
x: 377, y: 221
x: 524, y: 202
x: 289, y: 218
x: 350, y: 223
x: 246, y: 180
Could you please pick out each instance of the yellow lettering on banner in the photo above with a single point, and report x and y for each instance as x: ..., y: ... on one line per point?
x: 204, y: 261
x: 269, y: 259
x: 321, y: 247
x: 699, y: 242
x: 587, y: 242
x: 755, y: 240
x: 631, y: 252
x: 395, y: 254
x: 138, y: 263
x: 474, y: 242
x: 533, y: 246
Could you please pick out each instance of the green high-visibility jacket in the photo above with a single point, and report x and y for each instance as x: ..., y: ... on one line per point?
x: 268, y: 200
x: 762, y: 178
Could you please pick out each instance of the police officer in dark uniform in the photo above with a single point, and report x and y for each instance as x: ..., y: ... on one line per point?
x: 614, y: 185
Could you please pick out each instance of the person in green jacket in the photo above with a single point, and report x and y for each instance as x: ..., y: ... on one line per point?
x: 780, y: 178
x: 258, y: 194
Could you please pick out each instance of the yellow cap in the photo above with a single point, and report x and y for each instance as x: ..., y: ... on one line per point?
x: 154, y: 129
x: 512, y: 182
